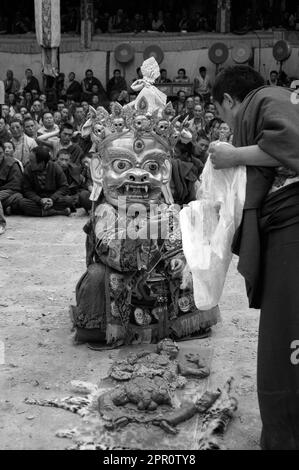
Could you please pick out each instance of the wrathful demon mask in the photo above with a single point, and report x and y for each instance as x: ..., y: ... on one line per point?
x: 138, y: 170
x: 133, y: 149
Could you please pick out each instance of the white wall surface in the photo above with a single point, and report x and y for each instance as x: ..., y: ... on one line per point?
x: 79, y: 61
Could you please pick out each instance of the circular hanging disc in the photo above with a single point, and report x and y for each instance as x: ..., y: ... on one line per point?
x: 282, y: 51
x: 124, y: 53
x: 218, y: 53
x: 242, y: 53
x: 153, y: 51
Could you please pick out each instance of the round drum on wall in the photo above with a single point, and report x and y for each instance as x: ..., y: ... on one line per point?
x: 218, y: 53
x: 242, y: 53
x: 282, y: 51
x: 124, y: 53
x: 153, y: 51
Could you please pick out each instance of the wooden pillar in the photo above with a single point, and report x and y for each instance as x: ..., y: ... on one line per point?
x: 223, y: 16
x: 86, y: 23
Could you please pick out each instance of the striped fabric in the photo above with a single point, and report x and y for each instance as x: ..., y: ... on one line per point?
x: 48, y: 33
x: 47, y: 21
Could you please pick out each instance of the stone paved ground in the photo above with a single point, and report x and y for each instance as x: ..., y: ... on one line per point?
x: 40, y: 263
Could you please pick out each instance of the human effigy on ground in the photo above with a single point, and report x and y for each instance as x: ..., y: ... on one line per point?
x: 132, y: 291
x: 154, y: 398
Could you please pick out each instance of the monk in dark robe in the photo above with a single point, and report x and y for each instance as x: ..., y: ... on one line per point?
x: 45, y: 187
x: 10, y: 186
x: 266, y: 135
x: 78, y: 195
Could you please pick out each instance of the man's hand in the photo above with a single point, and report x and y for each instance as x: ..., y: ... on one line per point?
x: 223, y: 155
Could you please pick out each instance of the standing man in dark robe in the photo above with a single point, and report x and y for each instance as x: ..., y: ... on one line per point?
x: 44, y: 187
x: 29, y: 82
x: 10, y: 186
x: 11, y: 84
x: 265, y: 121
x: 88, y: 82
x: 73, y: 88
x: 116, y: 85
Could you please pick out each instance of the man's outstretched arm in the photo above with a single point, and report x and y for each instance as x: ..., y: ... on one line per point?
x: 224, y: 155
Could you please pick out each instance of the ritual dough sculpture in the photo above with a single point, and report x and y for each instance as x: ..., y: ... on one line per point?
x: 168, y: 348
x: 148, y: 365
x: 142, y: 393
x: 146, y: 393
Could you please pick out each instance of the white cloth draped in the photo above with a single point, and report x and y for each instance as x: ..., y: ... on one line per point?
x: 208, y: 226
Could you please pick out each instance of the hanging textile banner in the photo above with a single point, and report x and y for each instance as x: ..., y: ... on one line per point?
x: 223, y: 16
x: 87, y: 23
x: 48, y: 33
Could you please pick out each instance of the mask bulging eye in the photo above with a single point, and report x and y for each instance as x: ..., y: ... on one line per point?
x: 152, y: 167
x: 121, y: 165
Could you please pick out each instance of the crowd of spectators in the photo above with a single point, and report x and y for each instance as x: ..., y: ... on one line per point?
x: 149, y: 21
x: 44, y: 158
x: 267, y: 14
x: 118, y: 21
x: 168, y: 17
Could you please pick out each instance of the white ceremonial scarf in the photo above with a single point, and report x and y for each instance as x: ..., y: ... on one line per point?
x: 208, y: 226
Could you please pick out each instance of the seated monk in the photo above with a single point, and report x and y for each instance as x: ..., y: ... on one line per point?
x: 10, y: 186
x: 44, y: 186
x: 78, y: 196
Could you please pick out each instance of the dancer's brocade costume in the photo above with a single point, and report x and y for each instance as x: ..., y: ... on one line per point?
x: 132, y: 289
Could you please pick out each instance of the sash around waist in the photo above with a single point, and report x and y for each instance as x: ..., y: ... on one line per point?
x: 280, y: 209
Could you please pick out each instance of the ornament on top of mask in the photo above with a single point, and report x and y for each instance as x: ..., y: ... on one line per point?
x: 142, y: 121
x: 118, y: 120
x: 146, y: 89
x: 180, y: 132
x: 162, y: 128
x: 168, y: 112
x: 97, y: 126
x: 134, y: 147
